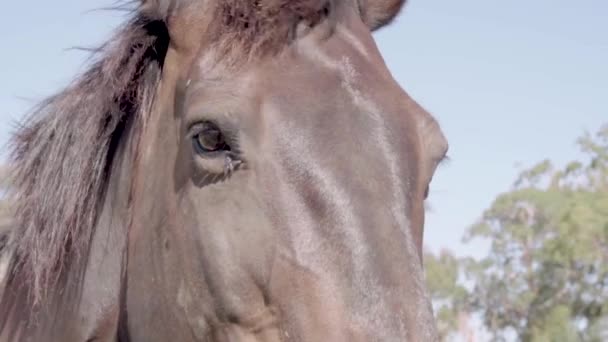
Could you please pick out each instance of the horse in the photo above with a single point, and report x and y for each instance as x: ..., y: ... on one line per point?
x: 225, y: 170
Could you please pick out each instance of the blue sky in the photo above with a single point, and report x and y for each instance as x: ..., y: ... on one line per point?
x: 511, y: 82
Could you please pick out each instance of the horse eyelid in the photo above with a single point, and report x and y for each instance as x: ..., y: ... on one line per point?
x: 199, y: 127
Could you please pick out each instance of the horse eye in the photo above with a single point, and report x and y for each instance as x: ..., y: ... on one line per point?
x: 209, y: 138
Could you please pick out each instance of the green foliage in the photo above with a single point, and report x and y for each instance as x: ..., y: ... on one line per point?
x: 555, y: 326
x: 449, y: 297
x: 545, y: 277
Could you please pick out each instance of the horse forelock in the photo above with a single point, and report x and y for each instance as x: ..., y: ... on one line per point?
x: 244, y: 28
x: 266, y: 25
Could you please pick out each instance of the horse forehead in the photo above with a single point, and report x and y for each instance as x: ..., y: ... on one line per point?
x: 362, y: 76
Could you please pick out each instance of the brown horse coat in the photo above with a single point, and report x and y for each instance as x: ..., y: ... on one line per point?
x: 226, y: 171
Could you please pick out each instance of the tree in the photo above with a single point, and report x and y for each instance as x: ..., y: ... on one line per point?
x: 448, y: 296
x: 546, y: 275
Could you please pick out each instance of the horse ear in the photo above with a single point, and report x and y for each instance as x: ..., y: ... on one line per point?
x: 378, y: 13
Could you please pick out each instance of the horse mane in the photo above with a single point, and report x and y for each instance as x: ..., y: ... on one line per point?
x: 62, y: 154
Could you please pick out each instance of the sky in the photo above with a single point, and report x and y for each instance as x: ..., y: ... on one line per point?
x: 510, y: 82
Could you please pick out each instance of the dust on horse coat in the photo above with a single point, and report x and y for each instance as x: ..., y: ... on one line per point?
x: 226, y: 171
